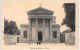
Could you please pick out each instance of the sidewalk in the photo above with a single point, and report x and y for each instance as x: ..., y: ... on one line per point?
x: 42, y: 44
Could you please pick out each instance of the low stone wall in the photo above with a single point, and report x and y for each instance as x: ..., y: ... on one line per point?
x: 10, y: 39
x: 70, y: 38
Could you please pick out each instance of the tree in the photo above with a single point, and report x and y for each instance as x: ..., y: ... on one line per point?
x: 69, y: 19
x: 10, y: 27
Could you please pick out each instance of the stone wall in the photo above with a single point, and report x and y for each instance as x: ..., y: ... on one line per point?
x: 70, y: 38
x: 34, y: 35
x: 10, y: 39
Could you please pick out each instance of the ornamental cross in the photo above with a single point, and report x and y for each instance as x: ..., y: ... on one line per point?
x: 40, y: 4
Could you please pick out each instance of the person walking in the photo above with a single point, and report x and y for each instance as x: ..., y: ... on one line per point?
x: 40, y: 42
x: 37, y: 42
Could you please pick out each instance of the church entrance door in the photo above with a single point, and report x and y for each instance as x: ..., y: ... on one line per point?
x: 40, y: 36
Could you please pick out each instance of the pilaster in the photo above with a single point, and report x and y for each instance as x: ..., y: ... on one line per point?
x: 44, y: 29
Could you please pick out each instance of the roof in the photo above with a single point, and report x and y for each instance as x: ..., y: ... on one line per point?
x: 67, y: 31
x: 24, y: 25
x: 56, y: 25
x: 40, y: 10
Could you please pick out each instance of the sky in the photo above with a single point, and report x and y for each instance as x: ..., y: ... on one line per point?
x: 17, y: 11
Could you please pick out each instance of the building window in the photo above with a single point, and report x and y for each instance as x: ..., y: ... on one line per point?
x: 25, y: 34
x: 54, y: 34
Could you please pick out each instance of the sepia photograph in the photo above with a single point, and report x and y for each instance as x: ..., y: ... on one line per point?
x: 39, y: 25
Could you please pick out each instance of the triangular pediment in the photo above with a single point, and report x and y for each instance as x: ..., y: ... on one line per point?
x: 40, y: 10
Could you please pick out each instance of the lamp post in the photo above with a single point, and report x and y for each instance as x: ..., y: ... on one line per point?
x: 29, y: 39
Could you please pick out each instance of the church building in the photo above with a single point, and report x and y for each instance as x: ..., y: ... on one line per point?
x: 42, y: 27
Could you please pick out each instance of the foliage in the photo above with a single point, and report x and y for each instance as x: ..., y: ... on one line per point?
x: 10, y: 27
x: 69, y: 19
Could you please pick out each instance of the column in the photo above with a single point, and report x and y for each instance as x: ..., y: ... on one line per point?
x: 37, y: 28
x: 30, y: 36
x: 30, y: 29
x: 43, y: 29
x: 50, y: 29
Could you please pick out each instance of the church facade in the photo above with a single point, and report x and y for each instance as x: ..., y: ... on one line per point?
x: 42, y: 27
